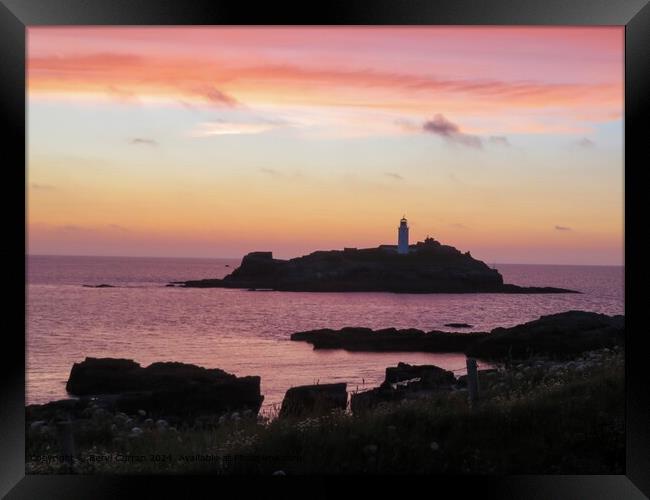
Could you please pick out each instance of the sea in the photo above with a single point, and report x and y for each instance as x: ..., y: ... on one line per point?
x: 247, y: 332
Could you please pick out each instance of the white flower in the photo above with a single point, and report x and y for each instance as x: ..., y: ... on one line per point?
x: 136, y: 432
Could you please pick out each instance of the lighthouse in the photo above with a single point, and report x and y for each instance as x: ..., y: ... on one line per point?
x: 403, y: 237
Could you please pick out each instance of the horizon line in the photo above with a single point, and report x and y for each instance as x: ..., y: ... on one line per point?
x: 493, y: 263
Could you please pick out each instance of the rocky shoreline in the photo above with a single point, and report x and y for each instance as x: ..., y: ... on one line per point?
x: 402, y: 382
x: 556, y: 335
x: 419, y: 418
x: 389, y: 339
x: 179, y: 393
x: 547, y: 378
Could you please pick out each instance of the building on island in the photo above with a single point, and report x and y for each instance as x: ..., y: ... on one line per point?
x: 403, y: 237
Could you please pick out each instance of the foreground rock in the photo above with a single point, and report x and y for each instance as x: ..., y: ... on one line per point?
x: 405, y: 382
x: 429, y: 375
x: 389, y: 339
x: 558, y: 335
x: 430, y: 267
x: 164, y: 388
x: 314, y: 400
x: 485, y: 378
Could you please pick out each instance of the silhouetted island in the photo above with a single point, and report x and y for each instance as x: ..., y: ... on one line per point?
x: 427, y: 267
x: 556, y: 335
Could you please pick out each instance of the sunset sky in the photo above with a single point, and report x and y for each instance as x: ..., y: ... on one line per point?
x: 213, y: 142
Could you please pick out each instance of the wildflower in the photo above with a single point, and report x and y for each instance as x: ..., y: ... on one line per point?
x: 136, y: 432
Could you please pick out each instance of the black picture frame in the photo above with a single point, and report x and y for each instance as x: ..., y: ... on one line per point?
x: 16, y: 15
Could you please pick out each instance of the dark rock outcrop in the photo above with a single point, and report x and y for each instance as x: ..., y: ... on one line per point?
x: 313, y: 399
x: 174, y: 388
x: 556, y: 335
x: 429, y: 375
x: 367, y: 400
x: 430, y: 267
x: 62, y: 410
x: 404, y: 382
x: 389, y: 339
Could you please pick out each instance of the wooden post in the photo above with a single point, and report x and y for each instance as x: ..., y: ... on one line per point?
x: 66, y: 440
x: 472, y: 380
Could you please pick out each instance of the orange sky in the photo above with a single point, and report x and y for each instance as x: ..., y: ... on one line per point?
x: 219, y: 141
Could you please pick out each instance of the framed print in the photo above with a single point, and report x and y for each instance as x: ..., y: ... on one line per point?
x: 354, y: 239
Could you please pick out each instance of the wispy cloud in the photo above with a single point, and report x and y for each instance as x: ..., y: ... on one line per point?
x: 271, y: 171
x: 174, y: 72
x: 457, y: 225
x: 237, y: 123
x: 42, y: 187
x: 285, y: 175
x: 451, y: 132
x: 143, y: 141
x: 456, y: 180
x: 122, y: 95
x: 215, y: 96
x: 186, y: 105
x: 73, y: 227
x: 563, y: 228
x: 207, y: 129
x: 585, y: 143
x: 393, y: 175
x: 96, y: 229
x: 231, y: 79
x: 499, y: 140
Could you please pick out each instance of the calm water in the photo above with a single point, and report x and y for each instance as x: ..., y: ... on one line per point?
x: 246, y: 333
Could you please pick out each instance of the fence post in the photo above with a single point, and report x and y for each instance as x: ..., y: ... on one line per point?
x: 472, y: 380
x: 66, y: 440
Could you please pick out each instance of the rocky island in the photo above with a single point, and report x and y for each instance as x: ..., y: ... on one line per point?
x: 427, y: 267
x: 561, y: 335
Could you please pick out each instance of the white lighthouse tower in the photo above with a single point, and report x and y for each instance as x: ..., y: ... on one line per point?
x: 403, y: 237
